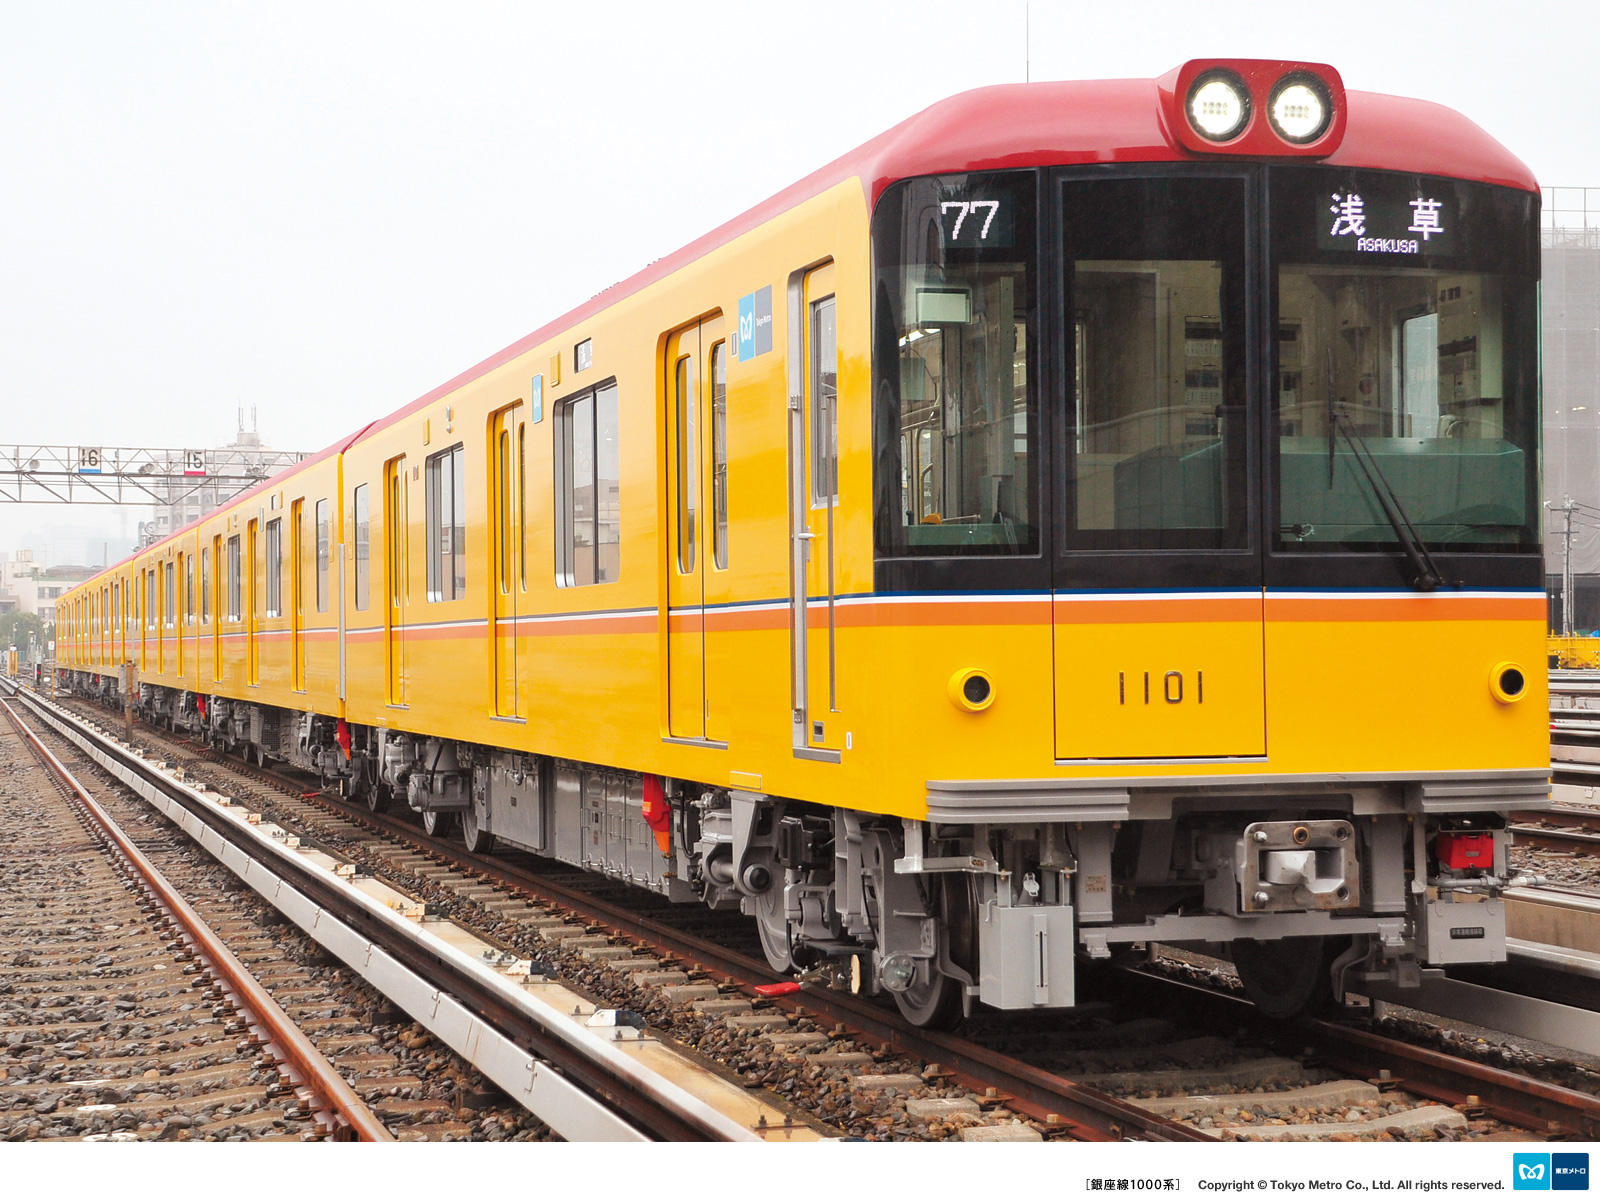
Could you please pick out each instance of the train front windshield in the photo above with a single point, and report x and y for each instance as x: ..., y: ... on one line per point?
x: 1405, y: 355
x: 1393, y: 401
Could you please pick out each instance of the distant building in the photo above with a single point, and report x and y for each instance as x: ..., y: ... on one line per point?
x: 1571, y: 360
x: 26, y: 585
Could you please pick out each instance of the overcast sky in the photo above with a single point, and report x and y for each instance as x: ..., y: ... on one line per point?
x: 321, y: 211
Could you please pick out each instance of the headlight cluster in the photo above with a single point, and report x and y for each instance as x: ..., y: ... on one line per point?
x: 1222, y: 106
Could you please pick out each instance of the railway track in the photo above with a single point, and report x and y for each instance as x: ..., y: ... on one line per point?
x: 411, y: 1087
x: 1562, y: 830
x: 655, y: 1094
x: 1132, y: 1065
x: 126, y: 1017
x: 1575, y: 727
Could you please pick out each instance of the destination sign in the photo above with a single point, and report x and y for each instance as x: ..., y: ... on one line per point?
x: 1386, y: 216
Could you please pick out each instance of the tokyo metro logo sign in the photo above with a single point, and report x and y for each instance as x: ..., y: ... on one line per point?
x: 1550, y: 1172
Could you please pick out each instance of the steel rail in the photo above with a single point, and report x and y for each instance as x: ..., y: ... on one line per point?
x: 334, y: 1102
x: 1075, y: 1109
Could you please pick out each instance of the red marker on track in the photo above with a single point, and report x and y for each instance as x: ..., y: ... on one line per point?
x: 769, y: 990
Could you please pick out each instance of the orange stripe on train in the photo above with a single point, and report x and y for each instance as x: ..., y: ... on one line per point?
x: 1420, y: 607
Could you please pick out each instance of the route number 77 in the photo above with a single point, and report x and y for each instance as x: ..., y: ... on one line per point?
x: 967, y: 207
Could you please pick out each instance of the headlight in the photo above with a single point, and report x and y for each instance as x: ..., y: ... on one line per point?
x: 1218, y: 106
x: 1300, y: 109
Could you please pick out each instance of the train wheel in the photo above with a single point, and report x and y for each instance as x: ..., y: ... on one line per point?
x: 364, y: 787
x: 934, y: 1002
x: 773, y: 927
x: 477, y: 839
x: 1290, y: 977
x: 436, y: 824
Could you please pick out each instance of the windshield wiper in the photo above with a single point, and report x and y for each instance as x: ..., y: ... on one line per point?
x: 1425, y: 576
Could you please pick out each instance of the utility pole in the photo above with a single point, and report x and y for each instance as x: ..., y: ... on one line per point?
x: 1566, y: 570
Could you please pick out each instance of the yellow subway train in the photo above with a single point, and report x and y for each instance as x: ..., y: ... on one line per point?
x: 1010, y: 544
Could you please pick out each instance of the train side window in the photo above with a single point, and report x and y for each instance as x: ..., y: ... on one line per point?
x: 274, y: 551
x: 588, y: 504
x: 458, y: 522
x: 719, y: 455
x: 234, y: 606
x: 150, y: 607
x: 446, y: 499
x: 503, y: 515
x: 825, y: 403
x: 205, y: 585
x: 297, y: 542
x: 688, y: 462
x: 324, y: 542
x: 170, y: 599
x: 522, y: 499
x: 359, y: 509
x: 188, y: 589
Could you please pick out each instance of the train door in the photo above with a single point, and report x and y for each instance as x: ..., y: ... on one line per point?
x: 813, y: 504
x: 1158, y: 605
x: 395, y: 577
x: 297, y: 648
x: 507, y: 434
x: 211, y: 569
x: 177, y: 615
x: 163, y: 589
x: 695, y: 368
x: 252, y: 593
x: 190, y: 611
x: 147, y: 623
